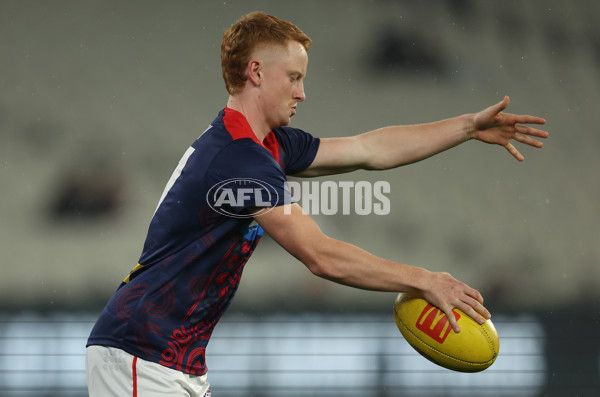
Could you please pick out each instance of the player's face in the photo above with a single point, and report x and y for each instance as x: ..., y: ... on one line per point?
x: 283, y: 83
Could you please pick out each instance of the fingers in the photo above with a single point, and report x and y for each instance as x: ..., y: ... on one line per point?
x: 523, y: 135
x: 515, y: 153
x: 474, y: 309
x: 447, y: 293
x: 476, y: 295
x: 527, y: 140
x: 525, y: 130
x: 514, y: 118
x: 452, y: 319
x: 525, y: 119
x: 471, y: 307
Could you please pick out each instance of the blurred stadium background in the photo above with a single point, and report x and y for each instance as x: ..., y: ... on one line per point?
x: 99, y: 99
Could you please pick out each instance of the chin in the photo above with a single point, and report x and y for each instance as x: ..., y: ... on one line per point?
x: 284, y: 121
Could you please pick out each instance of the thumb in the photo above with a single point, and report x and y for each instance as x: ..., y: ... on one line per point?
x: 504, y: 103
x: 488, y: 115
x: 500, y: 106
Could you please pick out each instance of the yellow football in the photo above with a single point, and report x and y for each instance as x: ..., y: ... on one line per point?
x: 427, y: 330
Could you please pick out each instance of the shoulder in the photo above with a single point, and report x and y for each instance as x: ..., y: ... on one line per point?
x: 299, y: 146
x: 290, y: 134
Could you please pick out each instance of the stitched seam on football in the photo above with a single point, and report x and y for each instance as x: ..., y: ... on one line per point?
x: 491, y: 342
x: 436, y: 350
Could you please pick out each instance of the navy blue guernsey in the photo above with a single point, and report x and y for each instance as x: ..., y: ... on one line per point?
x: 198, y: 241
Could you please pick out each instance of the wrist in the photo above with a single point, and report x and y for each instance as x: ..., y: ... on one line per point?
x: 469, y: 126
x: 420, y: 281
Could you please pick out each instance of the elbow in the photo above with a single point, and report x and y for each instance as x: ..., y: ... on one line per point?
x: 319, y: 268
x: 375, y: 165
x: 323, y: 265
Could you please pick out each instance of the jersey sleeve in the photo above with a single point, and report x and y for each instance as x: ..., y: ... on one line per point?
x: 300, y: 148
x: 245, y: 175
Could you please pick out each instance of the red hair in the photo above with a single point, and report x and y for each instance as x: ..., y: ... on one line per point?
x: 254, y: 30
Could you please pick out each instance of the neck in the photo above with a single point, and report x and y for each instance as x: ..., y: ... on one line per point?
x: 252, y: 114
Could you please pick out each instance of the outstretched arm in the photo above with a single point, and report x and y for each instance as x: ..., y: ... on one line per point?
x: 393, y: 146
x: 350, y: 265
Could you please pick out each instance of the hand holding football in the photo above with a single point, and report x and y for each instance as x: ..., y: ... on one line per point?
x: 427, y: 330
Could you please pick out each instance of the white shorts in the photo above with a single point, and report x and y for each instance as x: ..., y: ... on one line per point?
x: 114, y: 372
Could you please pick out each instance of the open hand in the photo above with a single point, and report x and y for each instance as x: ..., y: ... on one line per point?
x: 493, y: 126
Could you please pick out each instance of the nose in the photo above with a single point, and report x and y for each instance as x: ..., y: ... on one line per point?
x: 299, y: 94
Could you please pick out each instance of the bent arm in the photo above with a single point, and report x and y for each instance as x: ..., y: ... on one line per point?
x: 333, y: 259
x: 350, y: 265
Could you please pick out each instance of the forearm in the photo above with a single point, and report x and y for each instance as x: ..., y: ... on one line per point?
x: 350, y: 265
x: 390, y: 147
x: 337, y: 260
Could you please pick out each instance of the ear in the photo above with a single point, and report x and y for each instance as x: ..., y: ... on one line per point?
x: 255, y: 74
